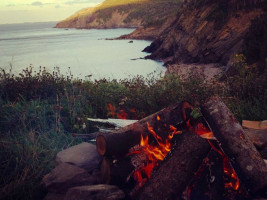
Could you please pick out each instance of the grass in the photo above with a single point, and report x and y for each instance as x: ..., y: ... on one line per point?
x: 151, y: 13
x: 40, y: 110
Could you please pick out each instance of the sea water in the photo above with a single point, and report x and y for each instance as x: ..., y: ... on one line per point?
x: 81, y: 52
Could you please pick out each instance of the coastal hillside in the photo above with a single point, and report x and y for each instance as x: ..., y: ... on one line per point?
x: 214, y: 32
x: 123, y: 14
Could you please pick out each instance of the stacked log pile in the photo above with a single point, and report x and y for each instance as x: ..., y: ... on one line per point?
x: 223, y: 164
x: 177, y: 171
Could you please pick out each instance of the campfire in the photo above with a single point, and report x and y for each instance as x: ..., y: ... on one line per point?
x: 183, y: 153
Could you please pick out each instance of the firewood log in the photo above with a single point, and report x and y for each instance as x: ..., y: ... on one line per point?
x: 118, y: 171
x: 119, y: 142
x: 175, y: 173
x: 237, y: 146
x: 208, y: 182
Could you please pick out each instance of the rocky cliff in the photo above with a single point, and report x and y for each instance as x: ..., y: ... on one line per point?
x: 122, y: 14
x: 213, y: 31
x: 150, y: 32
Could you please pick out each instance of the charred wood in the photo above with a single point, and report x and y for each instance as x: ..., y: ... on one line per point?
x: 118, y: 171
x: 175, y: 173
x: 208, y: 183
x: 235, y: 143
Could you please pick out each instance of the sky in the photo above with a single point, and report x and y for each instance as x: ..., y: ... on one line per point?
x: 20, y: 11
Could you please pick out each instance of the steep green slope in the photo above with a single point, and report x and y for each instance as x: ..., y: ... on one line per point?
x: 123, y: 13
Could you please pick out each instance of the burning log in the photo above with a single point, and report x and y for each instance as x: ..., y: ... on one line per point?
x: 208, y: 182
x: 235, y: 143
x: 175, y: 173
x: 120, y: 141
x: 118, y: 171
x: 215, y: 174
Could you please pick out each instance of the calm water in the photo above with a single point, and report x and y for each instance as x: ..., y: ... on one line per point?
x: 85, y: 52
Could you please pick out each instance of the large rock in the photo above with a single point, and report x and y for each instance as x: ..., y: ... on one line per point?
x: 83, y: 155
x: 65, y: 176
x: 95, y: 192
x: 259, y: 139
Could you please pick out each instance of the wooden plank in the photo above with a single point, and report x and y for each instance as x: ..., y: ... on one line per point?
x: 261, y: 125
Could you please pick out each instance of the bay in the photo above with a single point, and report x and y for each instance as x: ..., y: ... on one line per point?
x: 80, y: 52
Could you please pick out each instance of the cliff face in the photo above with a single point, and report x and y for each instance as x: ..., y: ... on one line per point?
x: 149, y: 33
x: 207, y: 32
x: 122, y: 14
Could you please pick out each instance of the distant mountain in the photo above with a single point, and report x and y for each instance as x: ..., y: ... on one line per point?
x: 123, y: 14
x: 213, y: 31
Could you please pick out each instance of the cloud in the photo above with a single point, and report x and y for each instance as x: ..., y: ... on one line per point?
x: 37, y: 3
x: 57, y: 6
x: 10, y: 5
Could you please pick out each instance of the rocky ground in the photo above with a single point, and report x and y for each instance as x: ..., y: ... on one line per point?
x: 77, y: 176
x: 205, y: 71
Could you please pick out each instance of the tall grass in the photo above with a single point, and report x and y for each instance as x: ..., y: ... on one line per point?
x: 40, y: 110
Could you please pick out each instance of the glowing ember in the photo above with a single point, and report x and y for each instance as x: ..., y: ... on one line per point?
x: 201, y: 130
x: 155, y: 153
x: 228, y: 170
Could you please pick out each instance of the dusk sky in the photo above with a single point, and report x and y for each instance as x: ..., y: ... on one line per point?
x: 20, y: 11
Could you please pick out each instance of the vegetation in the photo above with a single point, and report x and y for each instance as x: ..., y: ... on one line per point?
x: 40, y: 110
x: 223, y: 10
x: 147, y: 11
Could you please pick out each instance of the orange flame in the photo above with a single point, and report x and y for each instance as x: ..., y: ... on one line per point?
x: 155, y: 153
x: 201, y: 130
x: 204, y: 132
x: 121, y: 114
x: 228, y: 170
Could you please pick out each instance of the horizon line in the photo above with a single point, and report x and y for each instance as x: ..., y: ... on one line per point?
x: 30, y: 22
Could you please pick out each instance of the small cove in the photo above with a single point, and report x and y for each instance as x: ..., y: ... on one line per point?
x: 82, y: 52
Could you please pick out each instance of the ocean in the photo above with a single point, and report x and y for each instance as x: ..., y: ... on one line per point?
x: 81, y: 52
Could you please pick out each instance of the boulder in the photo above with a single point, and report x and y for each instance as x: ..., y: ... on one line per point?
x: 65, y: 176
x: 95, y: 192
x: 83, y: 155
x: 259, y: 139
